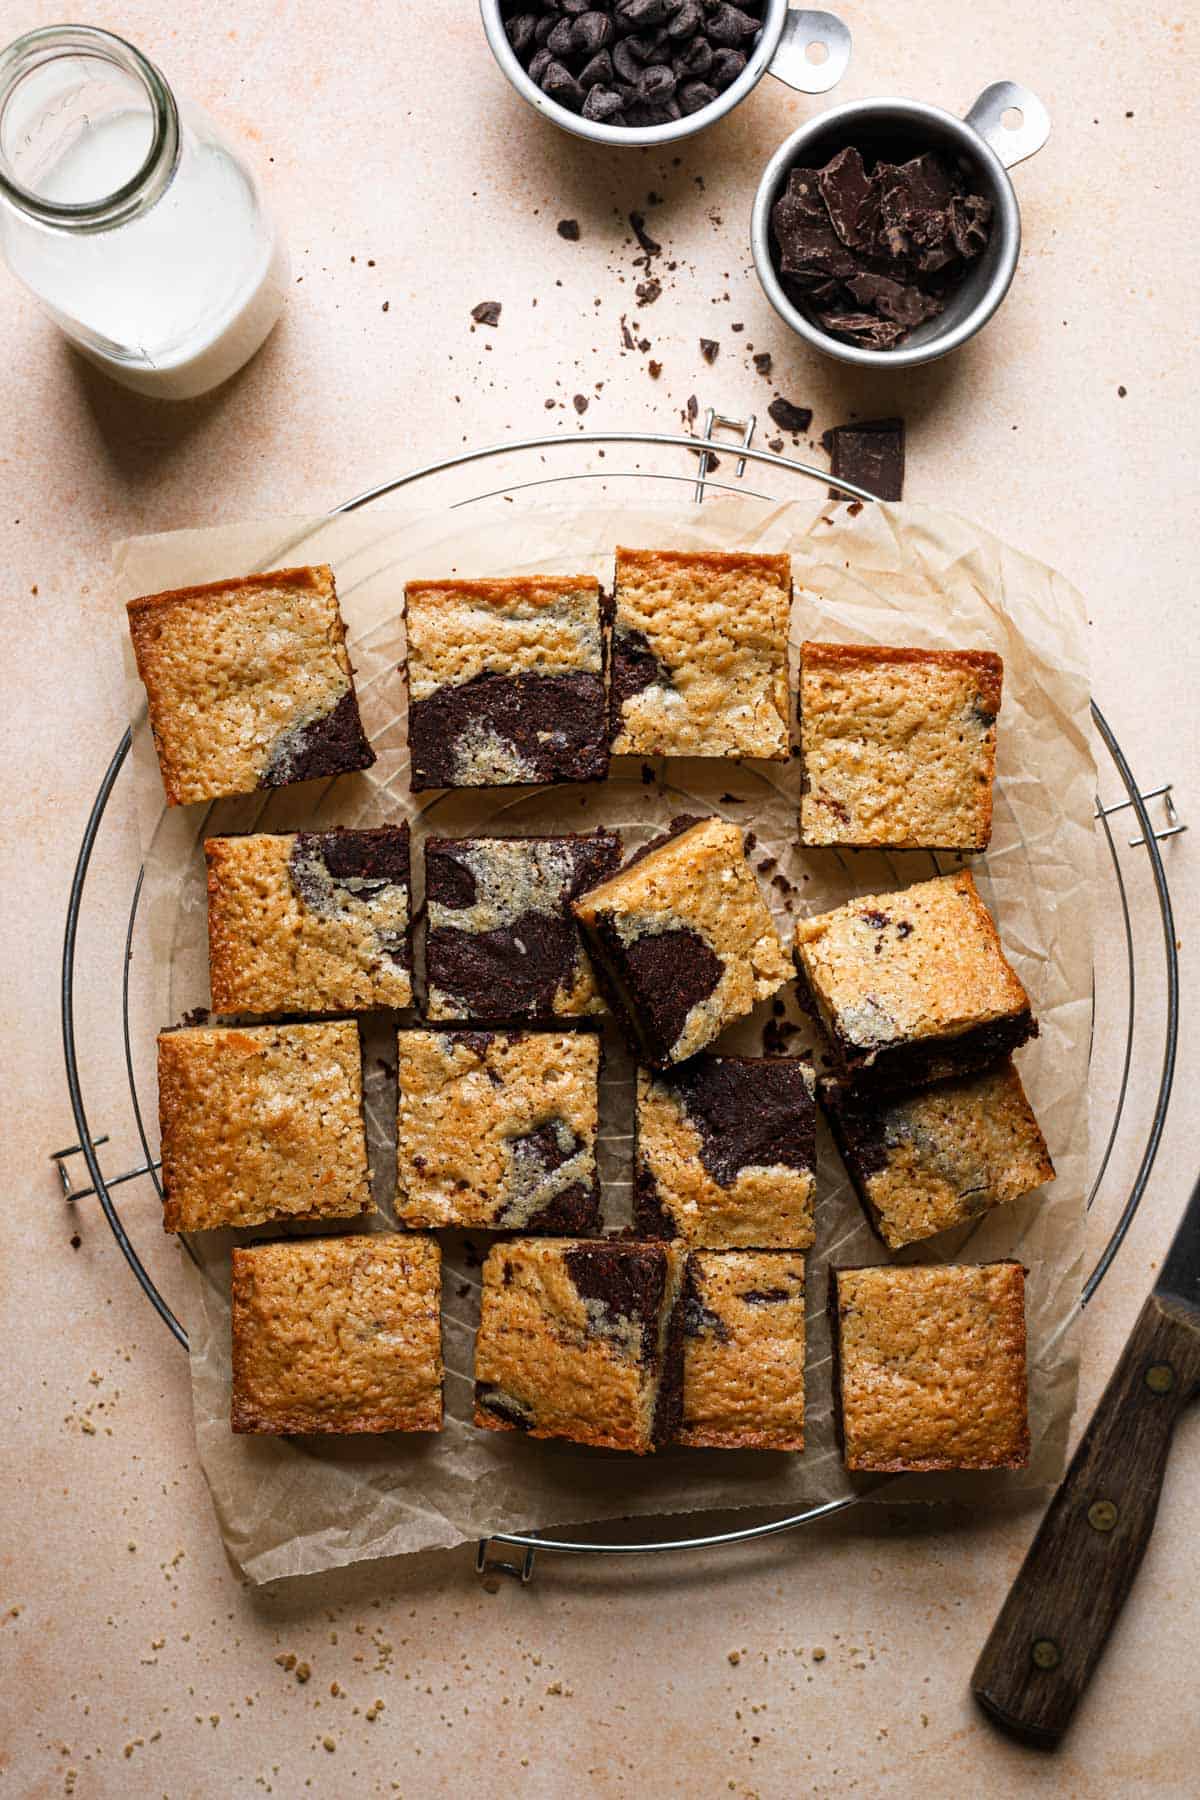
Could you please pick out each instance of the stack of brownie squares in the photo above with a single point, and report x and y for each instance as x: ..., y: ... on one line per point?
x: 691, y: 1329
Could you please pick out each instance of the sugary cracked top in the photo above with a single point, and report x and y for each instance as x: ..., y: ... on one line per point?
x: 249, y: 684
x: 684, y: 938
x: 922, y: 962
x: 933, y: 1367
x: 506, y: 681
x: 898, y: 746
x: 699, y: 660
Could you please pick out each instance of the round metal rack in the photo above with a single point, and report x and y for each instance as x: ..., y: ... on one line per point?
x: 707, y: 449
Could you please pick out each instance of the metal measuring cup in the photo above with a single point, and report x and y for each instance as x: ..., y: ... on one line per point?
x: 1006, y: 124
x: 808, y: 51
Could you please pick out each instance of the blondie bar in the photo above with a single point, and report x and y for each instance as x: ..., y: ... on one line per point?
x: 699, y: 654
x: 898, y: 747
x: 582, y: 1340
x: 726, y: 1152
x: 261, y: 1123
x: 743, y: 1350
x: 338, y: 1334
x: 931, y: 1366
x: 502, y: 941
x: 912, y: 986
x: 682, y: 939
x: 311, y: 922
x: 248, y: 683
x: 505, y: 681
x: 925, y: 1161
x: 497, y: 1129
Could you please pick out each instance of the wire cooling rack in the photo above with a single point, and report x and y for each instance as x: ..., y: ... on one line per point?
x: 1149, y: 997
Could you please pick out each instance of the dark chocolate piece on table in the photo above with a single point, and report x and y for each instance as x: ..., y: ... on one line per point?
x: 870, y: 453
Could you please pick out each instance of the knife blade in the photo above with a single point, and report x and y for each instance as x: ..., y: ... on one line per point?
x: 1054, y: 1625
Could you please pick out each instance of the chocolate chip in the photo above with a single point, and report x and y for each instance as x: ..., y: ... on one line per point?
x: 559, y: 83
x: 637, y: 14
x: 561, y: 41
x: 539, y: 64
x: 786, y: 414
x: 602, y: 106
x: 569, y: 229
x: 694, y: 59
x: 693, y: 96
x: 656, y: 84
x: 727, y: 65
x: 598, y: 72
x: 486, y: 313
x: 628, y: 60
x: 730, y: 26
x: 520, y: 31
x: 592, y: 31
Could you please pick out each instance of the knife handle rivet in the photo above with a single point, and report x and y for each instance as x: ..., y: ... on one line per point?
x: 1045, y: 1653
x: 1160, y: 1378
x: 1102, y: 1515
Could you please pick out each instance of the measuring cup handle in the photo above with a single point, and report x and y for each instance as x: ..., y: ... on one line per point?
x: 790, y: 63
x: 1012, y: 144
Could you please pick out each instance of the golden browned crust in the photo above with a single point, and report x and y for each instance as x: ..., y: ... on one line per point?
x: 260, y: 1124
x: 539, y: 590
x: 270, y: 951
x: 337, y: 1335
x: 234, y: 672
x: 743, y: 1362
x: 554, y: 1361
x: 699, y: 659
x: 497, y: 1129
x: 931, y: 1367
x: 698, y: 881
x: 927, y: 1161
x: 898, y: 745
x: 924, y: 962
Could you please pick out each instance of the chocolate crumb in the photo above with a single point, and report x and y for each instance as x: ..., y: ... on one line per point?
x: 486, y: 313
x: 655, y: 369
x: 580, y: 403
x: 648, y: 292
x: 637, y: 225
x: 763, y: 362
x: 709, y: 348
x: 569, y: 229
x: 775, y: 444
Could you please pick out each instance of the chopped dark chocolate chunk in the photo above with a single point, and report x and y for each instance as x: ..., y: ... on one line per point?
x: 709, y: 349
x: 486, y: 313
x: 787, y: 415
x: 871, y: 252
x: 869, y: 453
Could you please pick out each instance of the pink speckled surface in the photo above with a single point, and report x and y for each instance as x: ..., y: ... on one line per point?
x: 132, y: 1658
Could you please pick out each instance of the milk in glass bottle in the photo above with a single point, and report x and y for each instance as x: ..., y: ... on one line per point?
x: 129, y: 218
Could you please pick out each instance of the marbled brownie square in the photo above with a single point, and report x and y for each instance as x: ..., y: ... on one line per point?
x: 261, y: 1123
x: 726, y: 1152
x: 699, y: 654
x: 913, y: 986
x: 506, y: 682
x: 581, y: 1339
x: 249, y: 684
x: 925, y: 1161
x: 743, y: 1350
x: 502, y: 941
x: 682, y: 940
x: 338, y: 1335
x: 310, y: 922
x: 497, y: 1129
x: 898, y: 747
x: 930, y: 1367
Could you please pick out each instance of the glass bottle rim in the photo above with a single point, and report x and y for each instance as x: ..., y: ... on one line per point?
x: 143, y: 188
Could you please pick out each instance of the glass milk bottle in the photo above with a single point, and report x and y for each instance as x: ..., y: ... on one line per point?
x: 129, y: 218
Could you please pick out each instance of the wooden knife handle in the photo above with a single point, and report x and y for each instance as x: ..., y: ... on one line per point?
x: 1054, y: 1625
